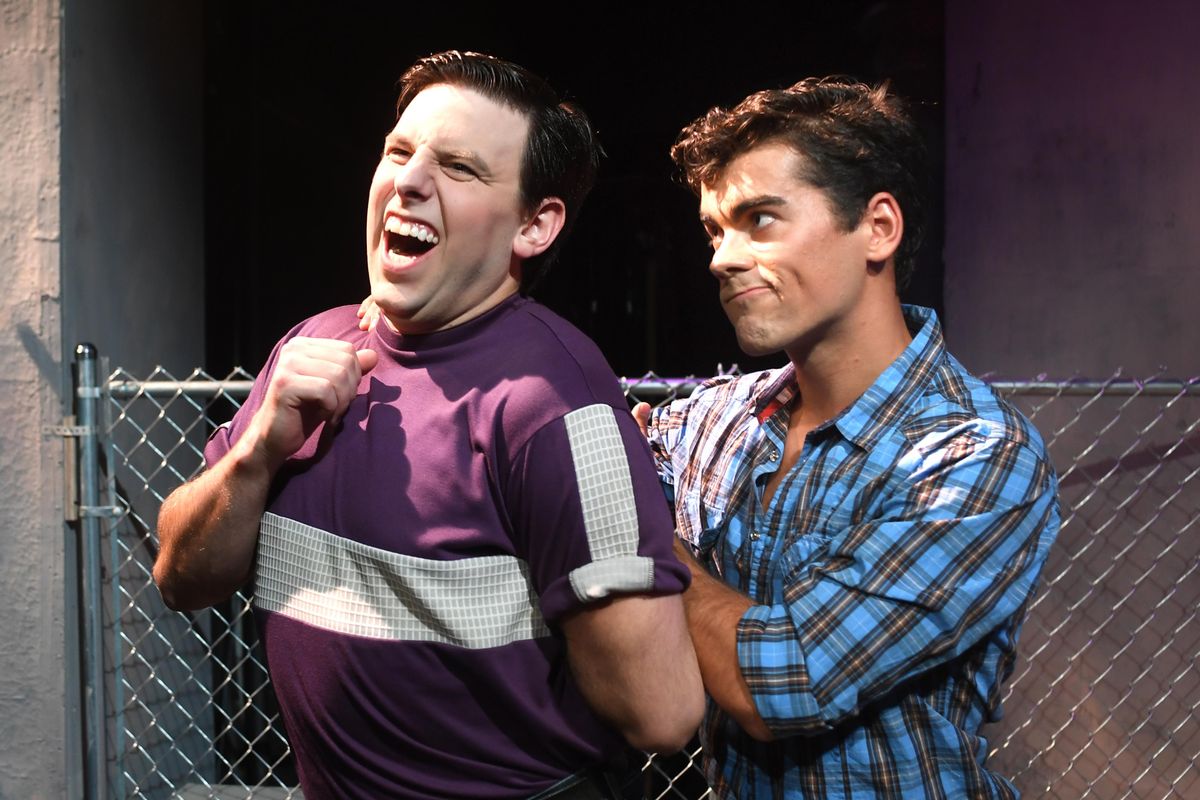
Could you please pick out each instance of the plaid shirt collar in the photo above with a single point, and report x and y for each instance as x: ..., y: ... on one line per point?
x: 885, y: 400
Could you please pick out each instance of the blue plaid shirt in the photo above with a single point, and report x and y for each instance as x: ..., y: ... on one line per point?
x: 890, y: 573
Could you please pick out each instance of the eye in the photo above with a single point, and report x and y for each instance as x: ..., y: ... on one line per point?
x: 460, y: 170
x: 398, y: 154
x: 761, y: 219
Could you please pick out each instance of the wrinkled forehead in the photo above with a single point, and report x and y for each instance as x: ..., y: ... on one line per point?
x: 458, y: 118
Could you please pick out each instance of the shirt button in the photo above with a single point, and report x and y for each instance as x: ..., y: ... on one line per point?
x: 774, y: 456
x: 754, y: 535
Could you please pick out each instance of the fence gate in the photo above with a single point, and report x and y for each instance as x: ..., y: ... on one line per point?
x: 1103, y: 703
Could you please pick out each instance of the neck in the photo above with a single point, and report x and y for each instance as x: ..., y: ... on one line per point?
x: 834, y: 371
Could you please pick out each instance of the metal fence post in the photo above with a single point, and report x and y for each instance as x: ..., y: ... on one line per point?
x: 115, y: 514
x: 87, y: 400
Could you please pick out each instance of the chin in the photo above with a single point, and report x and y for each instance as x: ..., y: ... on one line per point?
x: 757, y: 343
x: 755, y: 350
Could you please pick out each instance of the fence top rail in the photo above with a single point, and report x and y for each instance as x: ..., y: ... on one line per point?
x: 126, y: 389
x: 196, y: 388
x: 1126, y: 388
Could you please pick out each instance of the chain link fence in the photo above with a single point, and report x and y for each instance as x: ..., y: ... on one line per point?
x: 1103, y: 703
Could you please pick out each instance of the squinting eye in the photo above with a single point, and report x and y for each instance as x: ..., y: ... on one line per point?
x: 460, y: 169
x: 398, y: 154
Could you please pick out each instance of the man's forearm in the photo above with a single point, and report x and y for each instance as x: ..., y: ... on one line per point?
x: 713, y: 613
x: 208, y: 529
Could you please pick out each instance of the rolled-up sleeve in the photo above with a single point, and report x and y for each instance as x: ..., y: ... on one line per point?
x: 589, y: 514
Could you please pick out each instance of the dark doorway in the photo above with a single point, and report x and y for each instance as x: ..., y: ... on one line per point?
x: 299, y: 95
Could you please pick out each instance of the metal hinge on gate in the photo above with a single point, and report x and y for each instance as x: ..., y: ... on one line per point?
x: 72, y: 510
x: 69, y: 431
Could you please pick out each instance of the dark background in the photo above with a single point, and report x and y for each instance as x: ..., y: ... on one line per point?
x: 298, y: 97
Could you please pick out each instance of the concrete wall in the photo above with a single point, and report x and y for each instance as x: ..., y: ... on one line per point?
x: 1072, y: 168
x: 33, y: 697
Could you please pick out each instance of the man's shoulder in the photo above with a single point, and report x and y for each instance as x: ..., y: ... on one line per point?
x: 538, y: 368
x: 340, y: 322
x: 335, y: 323
x: 954, y: 402
x: 718, y: 405
x: 550, y: 334
x: 544, y: 344
x: 722, y: 393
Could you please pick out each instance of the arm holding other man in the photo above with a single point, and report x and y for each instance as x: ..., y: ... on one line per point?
x: 869, y: 520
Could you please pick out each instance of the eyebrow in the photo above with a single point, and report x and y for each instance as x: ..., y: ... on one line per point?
x: 393, y: 138
x: 463, y: 155
x: 749, y: 203
x: 468, y: 156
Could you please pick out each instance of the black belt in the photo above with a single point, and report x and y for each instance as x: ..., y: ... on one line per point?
x: 592, y: 783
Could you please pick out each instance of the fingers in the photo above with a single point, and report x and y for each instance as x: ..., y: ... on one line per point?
x: 338, y: 365
x: 641, y: 415
x: 312, y: 394
x: 368, y: 314
x: 314, y: 381
x: 367, y: 359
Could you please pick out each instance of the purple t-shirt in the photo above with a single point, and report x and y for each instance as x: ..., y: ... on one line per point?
x: 486, y: 481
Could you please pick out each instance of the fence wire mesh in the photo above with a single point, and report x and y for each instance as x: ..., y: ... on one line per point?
x: 1103, y: 703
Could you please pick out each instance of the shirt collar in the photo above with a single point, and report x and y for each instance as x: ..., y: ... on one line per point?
x: 894, y: 390
x: 880, y: 405
x: 775, y: 392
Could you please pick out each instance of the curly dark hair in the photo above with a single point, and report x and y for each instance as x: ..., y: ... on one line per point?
x: 855, y: 139
x: 562, y: 153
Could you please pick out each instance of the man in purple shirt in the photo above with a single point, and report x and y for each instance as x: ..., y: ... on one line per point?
x: 462, y: 561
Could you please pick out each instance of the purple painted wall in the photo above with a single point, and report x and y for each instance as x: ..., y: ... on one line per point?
x: 1072, y: 181
x: 1072, y: 184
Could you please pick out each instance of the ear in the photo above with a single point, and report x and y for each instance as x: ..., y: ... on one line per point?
x: 886, y: 223
x: 540, y: 229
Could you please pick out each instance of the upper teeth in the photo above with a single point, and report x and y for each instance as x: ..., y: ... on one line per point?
x: 413, y: 229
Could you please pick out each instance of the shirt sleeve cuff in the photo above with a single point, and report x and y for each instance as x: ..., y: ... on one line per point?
x: 597, y: 580
x: 775, y: 669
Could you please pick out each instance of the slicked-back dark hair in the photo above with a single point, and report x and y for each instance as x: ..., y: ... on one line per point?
x: 855, y: 140
x: 562, y: 152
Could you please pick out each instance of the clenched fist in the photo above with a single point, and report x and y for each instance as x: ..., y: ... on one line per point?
x: 313, y: 382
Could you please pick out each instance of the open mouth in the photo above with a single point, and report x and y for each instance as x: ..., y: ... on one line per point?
x: 409, y: 239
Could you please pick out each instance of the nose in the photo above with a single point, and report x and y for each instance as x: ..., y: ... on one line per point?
x: 414, y: 178
x: 731, y: 256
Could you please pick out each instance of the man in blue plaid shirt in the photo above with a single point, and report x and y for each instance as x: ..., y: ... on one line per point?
x: 866, y: 525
